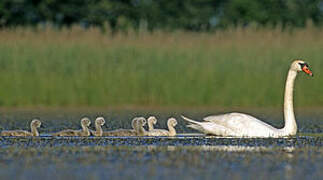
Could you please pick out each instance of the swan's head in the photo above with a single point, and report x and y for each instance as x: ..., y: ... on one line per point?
x: 86, y: 121
x: 36, y: 123
x: 300, y: 65
x: 172, y: 122
x: 141, y: 121
x: 152, y: 119
x: 100, y: 121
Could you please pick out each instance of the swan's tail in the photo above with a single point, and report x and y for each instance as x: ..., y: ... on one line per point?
x: 190, y: 120
x: 193, y: 124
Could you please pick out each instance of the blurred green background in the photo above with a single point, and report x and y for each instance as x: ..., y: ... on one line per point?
x: 194, y: 53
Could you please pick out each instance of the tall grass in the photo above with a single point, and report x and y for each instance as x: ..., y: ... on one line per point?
x: 237, y: 67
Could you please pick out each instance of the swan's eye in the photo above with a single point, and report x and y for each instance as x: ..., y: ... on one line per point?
x: 303, y: 64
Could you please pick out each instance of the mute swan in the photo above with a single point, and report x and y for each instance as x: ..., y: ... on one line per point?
x: 33, y: 126
x: 244, y: 125
x: 171, y: 123
x: 123, y: 132
x: 151, y: 122
x: 98, y: 129
x: 85, y: 123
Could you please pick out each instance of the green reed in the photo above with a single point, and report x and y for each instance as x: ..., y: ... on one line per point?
x: 233, y: 68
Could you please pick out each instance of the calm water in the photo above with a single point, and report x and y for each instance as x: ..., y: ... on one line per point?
x: 188, y: 157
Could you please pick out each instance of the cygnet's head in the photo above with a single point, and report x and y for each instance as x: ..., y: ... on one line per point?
x: 100, y: 121
x: 172, y: 122
x: 141, y: 121
x: 152, y: 119
x: 86, y: 121
x: 36, y: 123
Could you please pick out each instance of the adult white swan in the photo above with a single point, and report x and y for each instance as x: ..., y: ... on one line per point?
x: 244, y: 125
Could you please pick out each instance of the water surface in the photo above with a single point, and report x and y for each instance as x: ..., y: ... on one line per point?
x: 189, y: 157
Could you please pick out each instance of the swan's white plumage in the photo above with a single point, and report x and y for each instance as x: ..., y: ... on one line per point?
x: 243, y: 125
x: 233, y: 124
x: 171, y: 123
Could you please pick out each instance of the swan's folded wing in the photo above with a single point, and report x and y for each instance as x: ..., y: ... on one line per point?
x: 95, y: 133
x: 242, y: 124
x: 226, y: 120
x: 16, y: 133
x: 67, y: 132
x: 217, y: 118
x: 120, y: 132
x: 213, y: 128
x: 158, y: 132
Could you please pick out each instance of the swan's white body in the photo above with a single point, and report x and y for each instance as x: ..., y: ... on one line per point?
x: 85, y: 123
x: 171, y: 123
x: 127, y: 132
x: 244, y: 125
x: 33, y: 126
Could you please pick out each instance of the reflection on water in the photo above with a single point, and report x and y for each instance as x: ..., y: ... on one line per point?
x: 161, y: 162
x: 139, y: 158
x: 228, y: 148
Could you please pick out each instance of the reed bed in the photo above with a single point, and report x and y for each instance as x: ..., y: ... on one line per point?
x: 242, y: 67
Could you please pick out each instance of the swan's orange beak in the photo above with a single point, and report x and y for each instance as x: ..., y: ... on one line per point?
x: 307, y: 70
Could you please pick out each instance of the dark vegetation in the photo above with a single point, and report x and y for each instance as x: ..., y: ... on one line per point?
x: 192, y: 15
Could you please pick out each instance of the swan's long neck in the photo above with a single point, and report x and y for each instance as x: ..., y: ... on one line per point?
x: 85, y: 129
x: 290, y: 127
x: 171, y: 130
x: 34, y: 130
x: 150, y: 125
x: 141, y: 130
x: 98, y: 129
